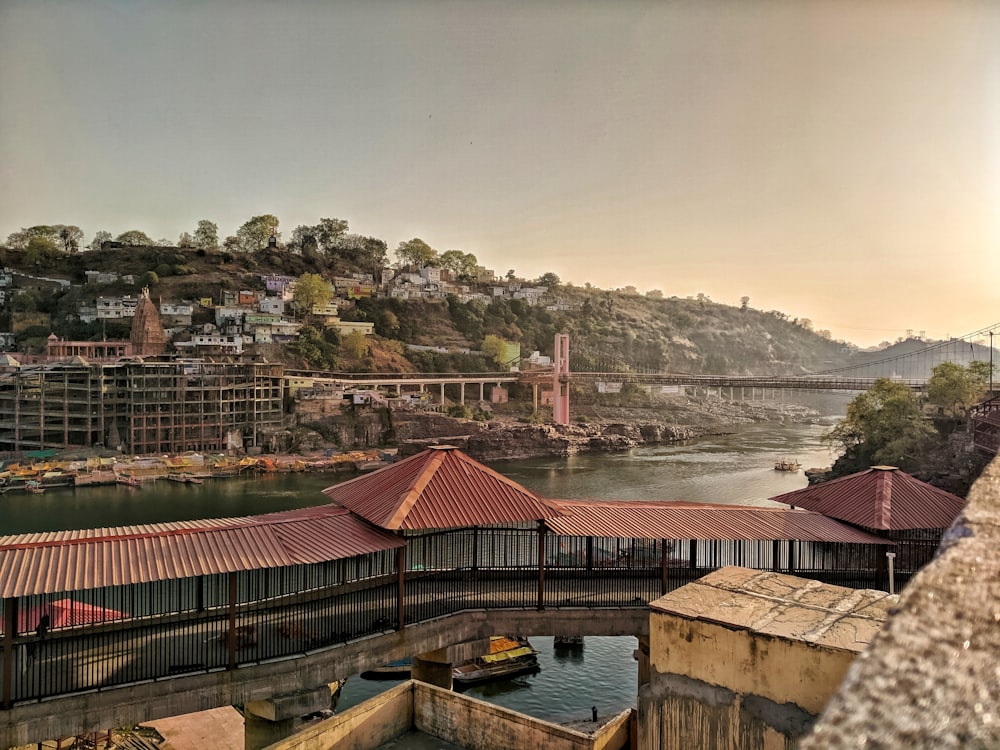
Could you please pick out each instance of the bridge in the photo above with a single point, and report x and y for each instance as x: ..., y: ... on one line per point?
x: 911, y: 368
x: 418, y: 558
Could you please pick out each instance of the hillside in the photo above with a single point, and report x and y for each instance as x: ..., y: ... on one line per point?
x: 608, y: 330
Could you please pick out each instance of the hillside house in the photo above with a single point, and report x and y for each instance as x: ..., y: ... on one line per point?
x: 101, y: 277
x: 213, y: 343
x: 116, y: 308
x: 431, y: 275
x: 278, y: 285
x: 272, y: 306
x: 232, y: 314
x: 177, y: 313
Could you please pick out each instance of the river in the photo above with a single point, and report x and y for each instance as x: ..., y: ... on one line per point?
x: 734, y: 468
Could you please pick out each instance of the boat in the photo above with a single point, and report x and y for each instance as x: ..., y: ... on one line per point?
x: 185, y: 478
x: 787, y: 464
x: 34, y: 487
x: 128, y: 480
x: 507, y: 657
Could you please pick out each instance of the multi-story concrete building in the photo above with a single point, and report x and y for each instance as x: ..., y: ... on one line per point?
x: 140, y: 407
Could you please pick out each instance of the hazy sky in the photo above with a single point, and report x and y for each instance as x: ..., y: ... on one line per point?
x: 835, y: 160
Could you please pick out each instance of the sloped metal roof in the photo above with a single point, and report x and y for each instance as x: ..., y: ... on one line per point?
x: 638, y: 519
x: 43, y: 563
x: 882, y: 497
x: 439, y: 488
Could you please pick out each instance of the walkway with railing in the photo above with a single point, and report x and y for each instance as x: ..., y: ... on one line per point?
x: 166, y: 629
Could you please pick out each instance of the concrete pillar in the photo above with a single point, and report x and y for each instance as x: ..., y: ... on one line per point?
x: 442, y: 394
x: 271, y: 720
x: 482, y: 391
x: 461, y: 393
x: 642, y: 656
x: 433, y: 672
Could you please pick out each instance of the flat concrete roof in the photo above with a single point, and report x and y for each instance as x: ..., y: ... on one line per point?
x: 782, y: 606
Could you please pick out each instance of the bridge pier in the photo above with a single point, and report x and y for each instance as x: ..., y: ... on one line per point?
x: 268, y: 721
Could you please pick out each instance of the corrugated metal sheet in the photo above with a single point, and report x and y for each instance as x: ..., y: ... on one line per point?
x: 882, y: 497
x: 440, y: 488
x: 76, y: 560
x: 702, y: 521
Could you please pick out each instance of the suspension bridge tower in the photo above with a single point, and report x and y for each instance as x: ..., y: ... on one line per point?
x: 560, y: 380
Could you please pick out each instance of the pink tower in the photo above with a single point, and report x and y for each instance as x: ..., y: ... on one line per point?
x: 560, y: 380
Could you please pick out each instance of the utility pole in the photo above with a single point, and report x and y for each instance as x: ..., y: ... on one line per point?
x: 991, y: 364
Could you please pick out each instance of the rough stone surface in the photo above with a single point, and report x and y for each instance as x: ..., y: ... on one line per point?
x: 932, y: 675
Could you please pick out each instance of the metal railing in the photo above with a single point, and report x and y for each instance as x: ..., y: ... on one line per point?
x: 160, y: 630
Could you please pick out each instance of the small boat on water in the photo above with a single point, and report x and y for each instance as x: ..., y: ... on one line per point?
x: 787, y: 464
x: 185, y: 478
x: 128, y: 480
x: 34, y: 487
x: 507, y: 657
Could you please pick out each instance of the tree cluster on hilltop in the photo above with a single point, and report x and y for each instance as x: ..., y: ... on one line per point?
x: 891, y: 424
x: 609, y: 330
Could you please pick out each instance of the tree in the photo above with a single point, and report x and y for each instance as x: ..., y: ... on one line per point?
x: 311, y: 290
x: 355, y: 344
x: 884, y: 425
x: 954, y: 388
x: 654, y: 294
x: 372, y: 258
x: 328, y: 233
x: 206, y: 235
x: 41, y: 250
x: 417, y: 253
x: 744, y: 303
x: 551, y: 280
x: 494, y: 349
x: 303, y: 240
x: 70, y: 236
x: 510, y: 275
x: 255, y: 233
x: 462, y: 265
x: 135, y: 238
x: 185, y: 240
x: 99, y: 239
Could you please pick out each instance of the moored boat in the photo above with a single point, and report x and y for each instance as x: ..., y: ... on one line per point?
x: 507, y: 657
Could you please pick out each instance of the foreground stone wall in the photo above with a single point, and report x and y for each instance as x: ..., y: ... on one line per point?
x: 932, y: 676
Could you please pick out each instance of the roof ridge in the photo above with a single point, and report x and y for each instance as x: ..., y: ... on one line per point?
x: 883, y: 499
x: 413, y: 493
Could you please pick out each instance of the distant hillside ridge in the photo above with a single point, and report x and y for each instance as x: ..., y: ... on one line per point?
x: 609, y: 330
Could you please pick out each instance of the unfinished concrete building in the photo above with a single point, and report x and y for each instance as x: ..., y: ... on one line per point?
x: 140, y: 407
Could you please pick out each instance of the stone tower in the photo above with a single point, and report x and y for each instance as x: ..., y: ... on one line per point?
x: 148, y: 337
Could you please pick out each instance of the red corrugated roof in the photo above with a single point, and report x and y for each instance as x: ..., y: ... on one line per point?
x: 58, y: 561
x: 439, y: 488
x: 882, y: 497
x: 637, y: 519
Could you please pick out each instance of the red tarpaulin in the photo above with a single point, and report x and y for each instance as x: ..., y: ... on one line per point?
x: 64, y: 613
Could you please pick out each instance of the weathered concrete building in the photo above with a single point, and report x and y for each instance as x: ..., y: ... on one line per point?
x: 140, y: 407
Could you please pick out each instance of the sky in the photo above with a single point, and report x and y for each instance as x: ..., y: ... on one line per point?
x: 837, y: 160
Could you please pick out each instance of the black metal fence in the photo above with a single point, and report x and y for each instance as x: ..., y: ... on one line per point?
x: 126, y: 634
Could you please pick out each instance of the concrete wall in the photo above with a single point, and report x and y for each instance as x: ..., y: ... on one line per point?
x: 134, y: 704
x: 452, y: 717
x: 748, y: 659
x: 364, y: 727
x: 478, y: 725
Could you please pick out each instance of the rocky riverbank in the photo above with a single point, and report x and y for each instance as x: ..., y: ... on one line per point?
x: 597, y: 429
